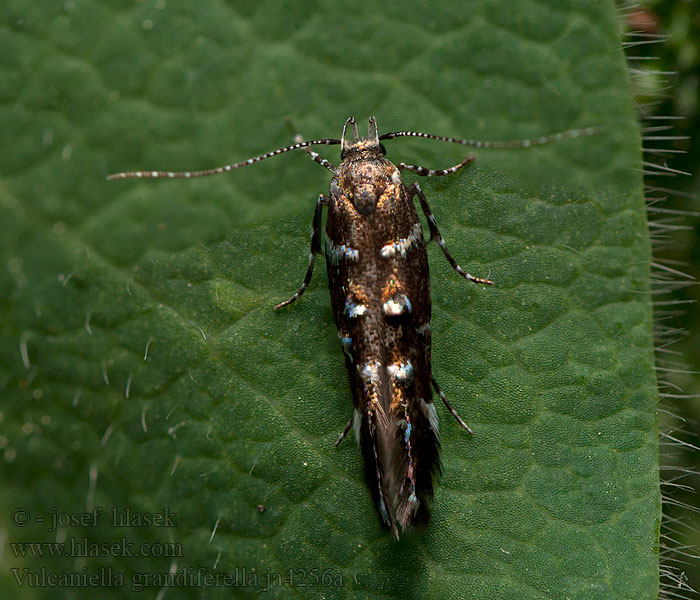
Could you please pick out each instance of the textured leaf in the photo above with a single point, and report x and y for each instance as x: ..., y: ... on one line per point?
x: 144, y: 368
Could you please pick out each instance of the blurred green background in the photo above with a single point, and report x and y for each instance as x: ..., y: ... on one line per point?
x: 668, y: 83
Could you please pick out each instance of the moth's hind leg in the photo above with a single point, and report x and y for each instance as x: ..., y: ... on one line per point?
x: 345, y: 431
x: 453, y: 412
x: 414, y: 189
x: 315, y: 249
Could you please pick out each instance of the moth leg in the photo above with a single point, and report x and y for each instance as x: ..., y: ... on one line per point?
x: 423, y: 171
x: 315, y: 249
x: 315, y: 155
x: 414, y: 189
x: 453, y: 412
x: 345, y: 431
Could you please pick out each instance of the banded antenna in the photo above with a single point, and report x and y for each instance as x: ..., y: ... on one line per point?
x: 300, y: 144
x: 217, y: 170
x: 538, y: 141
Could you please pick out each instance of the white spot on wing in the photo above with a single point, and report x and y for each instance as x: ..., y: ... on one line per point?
x: 401, y: 372
x: 397, y: 305
x: 354, y: 310
x: 337, y: 254
x: 346, y: 342
x: 423, y: 328
x: 402, y: 246
x: 431, y: 414
x: 356, y: 424
x: 370, y: 372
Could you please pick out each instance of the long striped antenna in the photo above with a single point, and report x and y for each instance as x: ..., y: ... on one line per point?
x: 217, y: 170
x: 538, y: 141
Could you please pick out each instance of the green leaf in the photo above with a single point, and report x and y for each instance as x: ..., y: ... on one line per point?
x: 143, y: 367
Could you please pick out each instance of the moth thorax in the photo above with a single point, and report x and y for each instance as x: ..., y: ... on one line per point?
x: 366, y: 196
x: 368, y: 183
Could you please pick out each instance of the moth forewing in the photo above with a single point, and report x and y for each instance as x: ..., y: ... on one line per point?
x: 380, y: 292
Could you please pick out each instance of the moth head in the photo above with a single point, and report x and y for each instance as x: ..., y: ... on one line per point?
x: 362, y: 147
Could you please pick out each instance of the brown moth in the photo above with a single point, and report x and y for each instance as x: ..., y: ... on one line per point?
x: 380, y: 292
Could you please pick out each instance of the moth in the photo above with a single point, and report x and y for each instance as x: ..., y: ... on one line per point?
x: 379, y: 284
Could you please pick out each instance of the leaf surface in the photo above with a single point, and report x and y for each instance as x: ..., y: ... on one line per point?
x: 143, y: 367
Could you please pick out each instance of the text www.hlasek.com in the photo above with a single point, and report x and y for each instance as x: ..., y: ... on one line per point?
x: 81, y: 547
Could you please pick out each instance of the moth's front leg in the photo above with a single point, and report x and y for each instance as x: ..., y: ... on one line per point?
x: 315, y: 249
x: 315, y: 156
